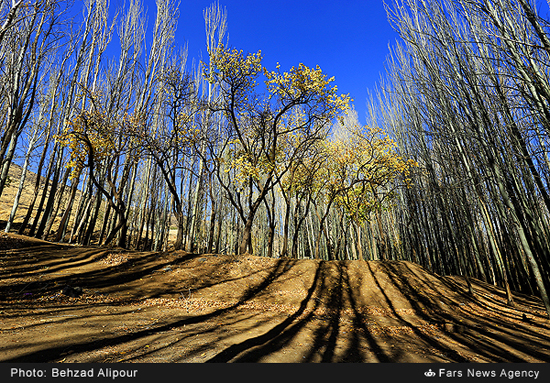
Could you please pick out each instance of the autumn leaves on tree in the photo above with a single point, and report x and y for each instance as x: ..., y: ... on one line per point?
x: 234, y: 156
x: 255, y: 143
x: 238, y: 156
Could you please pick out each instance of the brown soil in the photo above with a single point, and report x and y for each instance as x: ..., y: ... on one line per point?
x: 179, y: 307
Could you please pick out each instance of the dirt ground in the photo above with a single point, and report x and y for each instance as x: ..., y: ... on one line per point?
x: 72, y: 304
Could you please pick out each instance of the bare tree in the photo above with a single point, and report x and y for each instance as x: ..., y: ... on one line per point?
x: 469, y: 88
x: 30, y: 41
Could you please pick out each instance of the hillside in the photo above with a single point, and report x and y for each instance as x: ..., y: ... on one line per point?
x: 8, y: 195
x: 180, y: 307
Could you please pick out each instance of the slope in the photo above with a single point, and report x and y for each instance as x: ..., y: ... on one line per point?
x: 75, y: 304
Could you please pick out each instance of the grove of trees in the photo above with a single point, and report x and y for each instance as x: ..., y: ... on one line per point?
x: 228, y: 156
x: 467, y: 96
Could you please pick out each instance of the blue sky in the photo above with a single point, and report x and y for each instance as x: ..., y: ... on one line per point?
x: 348, y: 39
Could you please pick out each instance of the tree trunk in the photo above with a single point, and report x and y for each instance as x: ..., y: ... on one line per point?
x: 62, y: 229
x: 178, y: 245
x: 286, y: 223
x: 36, y: 187
x: 22, y: 180
x: 245, y: 245
x: 57, y: 204
x: 211, y: 232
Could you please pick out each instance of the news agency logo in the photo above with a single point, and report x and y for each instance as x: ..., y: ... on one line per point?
x: 483, y: 373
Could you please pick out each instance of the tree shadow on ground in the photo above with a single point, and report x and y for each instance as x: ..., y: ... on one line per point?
x: 490, y: 336
x: 56, y: 263
x: 54, y: 353
x: 345, y: 315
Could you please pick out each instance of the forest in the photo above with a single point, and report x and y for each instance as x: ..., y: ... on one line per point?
x: 146, y: 151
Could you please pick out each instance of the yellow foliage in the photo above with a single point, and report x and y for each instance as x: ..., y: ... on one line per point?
x: 361, y: 170
x: 233, y: 67
x: 306, y: 85
x: 267, y: 131
x: 84, y: 135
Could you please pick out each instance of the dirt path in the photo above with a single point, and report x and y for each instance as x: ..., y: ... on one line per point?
x: 178, y: 307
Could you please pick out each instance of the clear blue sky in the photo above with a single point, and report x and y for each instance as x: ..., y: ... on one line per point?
x: 348, y: 39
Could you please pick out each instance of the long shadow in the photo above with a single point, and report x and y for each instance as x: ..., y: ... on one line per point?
x: 486, y: 325
x: 489, y: 327
x: 336, y: 303
x: 511, y: 334
x: 22, y: 262
x: 410, y: 293
x: 112, y: 276
x: 255, y: 348
x: 39, y: 269
x: 208, y: 281
x: 335, y: 289
x: 495, y: 304
x: 49, y: 264
x: 267, y: 339
x: 359, y: 322
x: 326, y: 335
x: 324, y: 288
x: 420, y: 302
x: 66, y: 320
x: 54, y: 353
x: 185, y: 336
x: 116, y: 277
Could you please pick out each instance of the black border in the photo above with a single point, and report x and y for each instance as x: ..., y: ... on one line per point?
x: 307, y: 372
